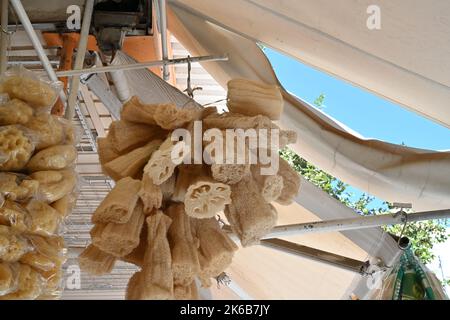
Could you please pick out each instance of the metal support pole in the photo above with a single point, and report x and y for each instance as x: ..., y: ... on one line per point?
x: 142, y: 65
x: 79, y: 60
x: 4, y: 39
x: 23, y: 17
x: 163, y: 31
x: 361, y: 222
x: 315, y: 254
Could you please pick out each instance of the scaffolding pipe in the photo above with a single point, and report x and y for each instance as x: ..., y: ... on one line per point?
x: 361, y: 222
x: 28, y: 27
x: 317, y: 255
x: 141, y: 65
x: 121, y: 85
x: 4, y: 40
x: 163, y: 31
x: 79, y: 59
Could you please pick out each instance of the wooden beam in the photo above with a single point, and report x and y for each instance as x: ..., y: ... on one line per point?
x: 90, y: 105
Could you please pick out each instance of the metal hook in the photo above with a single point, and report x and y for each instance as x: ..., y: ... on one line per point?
x: 221, y: 222
x: 404, y: 219
x: 189, y: 90
x: 223, y: 279
x: 405, y: 222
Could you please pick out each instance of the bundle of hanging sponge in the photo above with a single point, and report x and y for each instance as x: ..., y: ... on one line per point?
x: 162, y: 215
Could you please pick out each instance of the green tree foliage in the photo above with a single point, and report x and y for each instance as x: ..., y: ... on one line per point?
x: 319, y: 101
x: 423, y: 235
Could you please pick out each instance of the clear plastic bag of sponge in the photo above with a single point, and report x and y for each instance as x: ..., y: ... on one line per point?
x: 17, y: 187
x: 17, y: 145
x: 25, y: 85
x: 9, y: 277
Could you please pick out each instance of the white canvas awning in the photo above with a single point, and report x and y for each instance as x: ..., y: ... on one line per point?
x: 406, y: 60
x: 392, y: 172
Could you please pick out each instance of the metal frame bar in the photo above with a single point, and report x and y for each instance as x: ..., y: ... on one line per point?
x: 141, y: 65
x: 28, y: 27
x: 361, y: 222
x: 79, y: 59
x: 329, y: 258
x: 162, y: 15
x: 4, y: 39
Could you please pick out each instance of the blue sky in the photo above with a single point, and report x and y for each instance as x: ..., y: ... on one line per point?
x: 371, y: 116
x: 365, y: 113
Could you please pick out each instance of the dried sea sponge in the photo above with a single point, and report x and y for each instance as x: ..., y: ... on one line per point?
x: 161, y: 166
x: 119, y: 239
x: 15, y: 112
x: 291, y: 183
x: 44, y: 219
x: 49, y: 246
x: 6, y: 277
x: 38, y: 261
x: 135, y: 111
x: 287, y: 137
x: 53, y: 158
x: 134, y: 287
x: 14, y: 216
x: 184, y: 178
x: 209, y: 112
x: 126, y: 136
x: 52, y: 280
x: 15, y: 188
x: 37, y: 93
x: 169, y: 117
x: 185, y: 263
x: 132, y: 163
x: 48, y: 130
x: 71, y: 133
x: 12, y: 245
x: 216, y: 249
x: 30, y: 285
x: 204, y: 197
x: 136, y: 256
x: 64, y: 205
x: 118, y: 205
x: 156, y: 278
x: 168, y: 187
x: 229, y: 173
x: 271, y: 186
x: 237, y: 121
x: 53, y: 185
x: 249, y: 215
x: 150, y: 195
x: 15, y: 147
x: 189, y: 292
x: 94, y: 261
x: 106, y: 151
